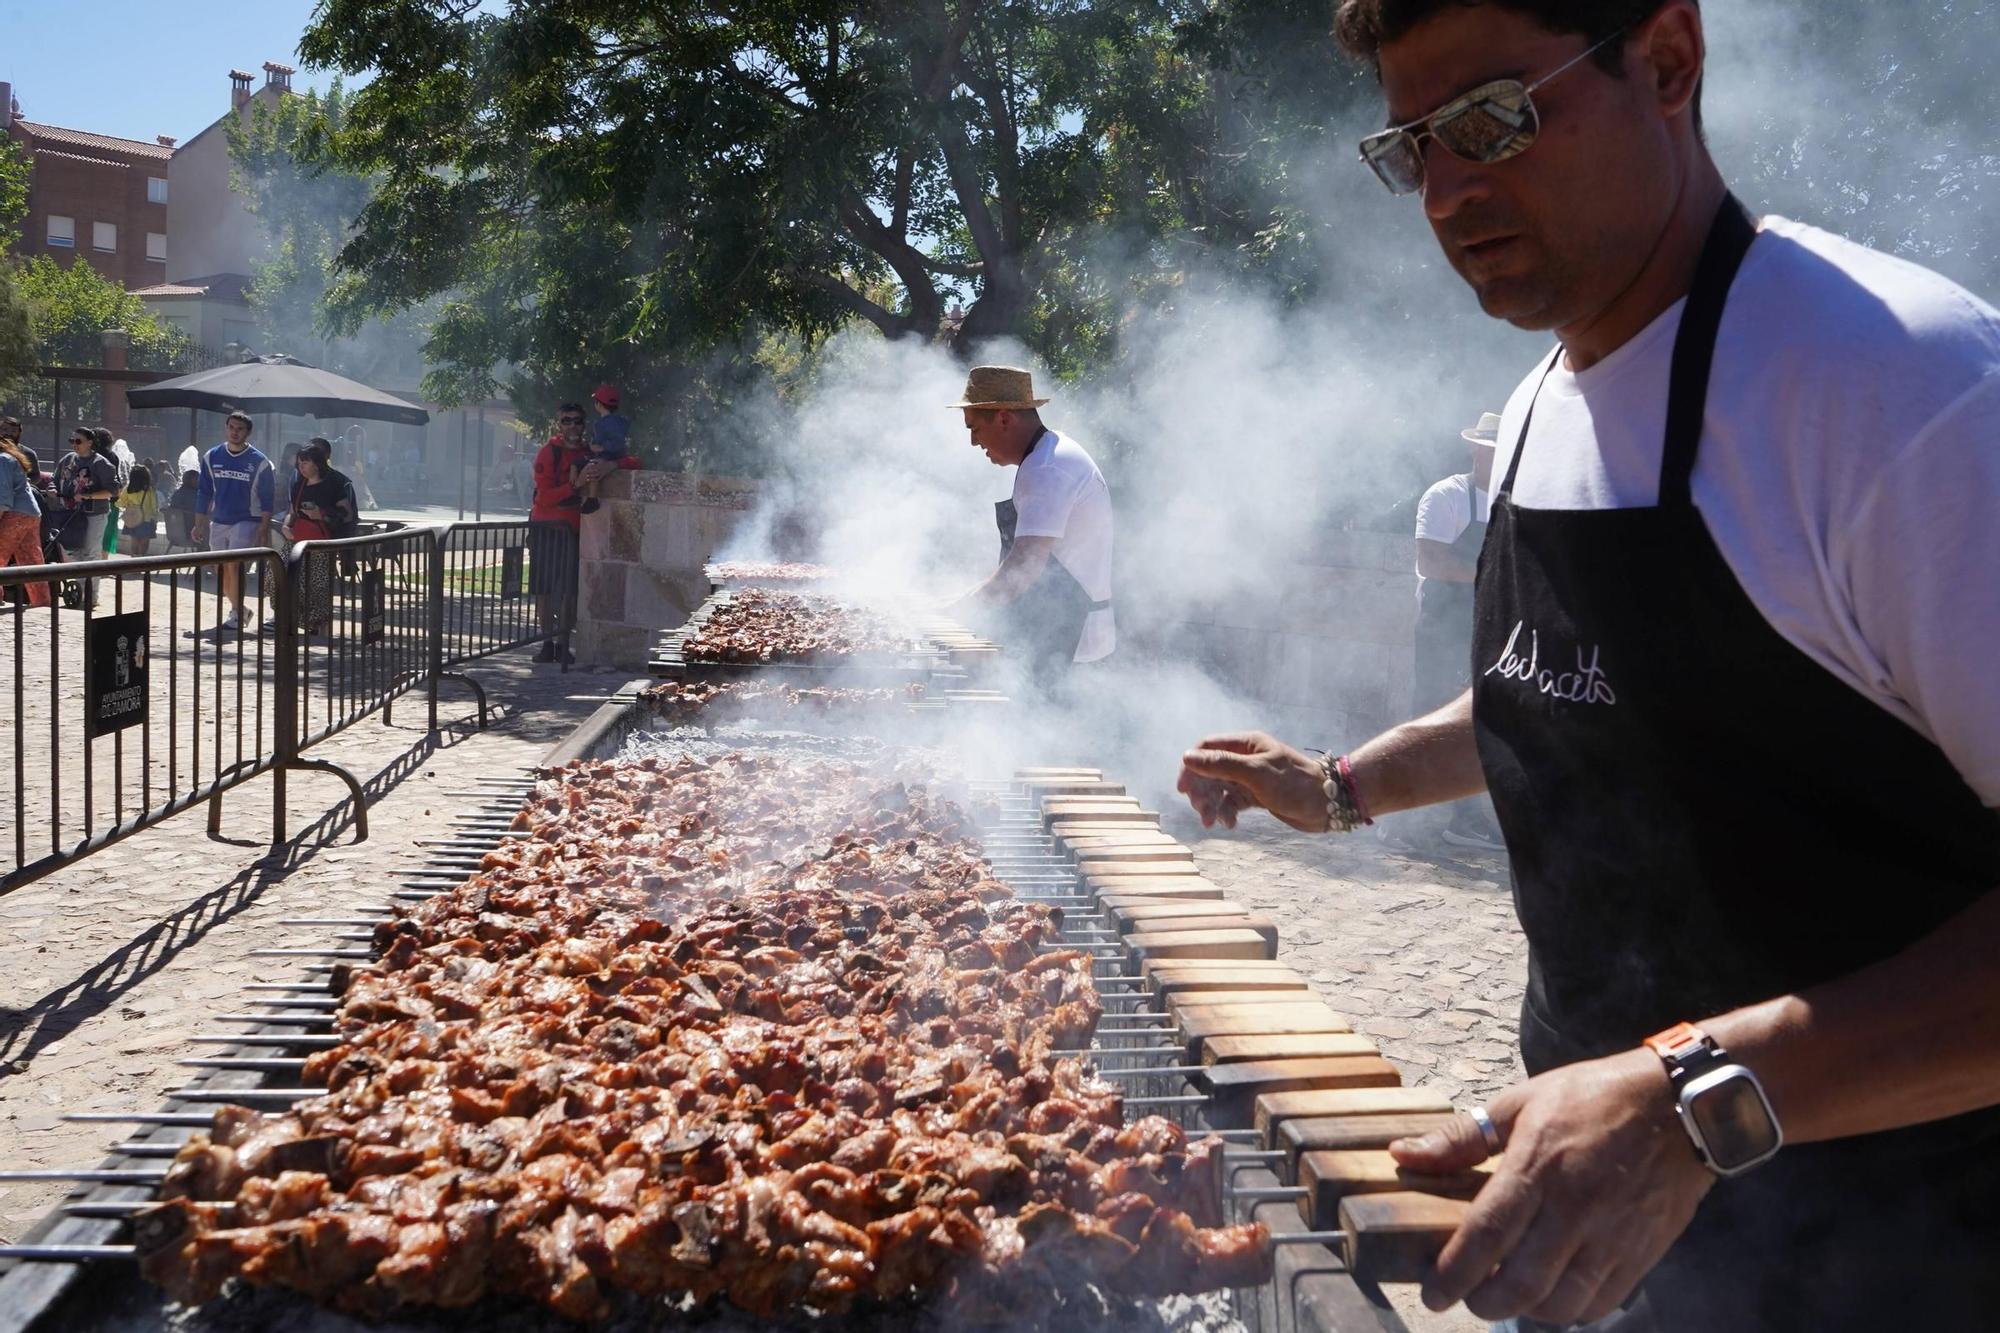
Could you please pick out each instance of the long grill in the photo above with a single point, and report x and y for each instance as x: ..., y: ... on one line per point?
x: 1201, y: 1025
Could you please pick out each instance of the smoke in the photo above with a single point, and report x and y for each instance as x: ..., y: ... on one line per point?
x: 1251, y: 446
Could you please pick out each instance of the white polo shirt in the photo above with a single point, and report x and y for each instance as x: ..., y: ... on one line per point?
x: 1059, y: 493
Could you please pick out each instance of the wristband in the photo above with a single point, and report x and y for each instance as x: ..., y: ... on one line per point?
x: 1344, y: 812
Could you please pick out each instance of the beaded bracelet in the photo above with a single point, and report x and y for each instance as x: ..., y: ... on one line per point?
x: 1344, y: 811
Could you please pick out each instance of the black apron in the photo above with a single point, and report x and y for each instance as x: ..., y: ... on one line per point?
x: 1041, y: 627
x: 1700, y: 816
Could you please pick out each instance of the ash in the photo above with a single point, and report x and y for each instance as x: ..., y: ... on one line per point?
x: 247, y: 1309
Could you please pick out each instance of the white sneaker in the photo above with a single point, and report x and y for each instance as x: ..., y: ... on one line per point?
x: 234, y: 620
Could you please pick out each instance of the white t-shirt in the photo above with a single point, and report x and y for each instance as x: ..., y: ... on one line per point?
x: 1058, y: 492
x: 1849, y: 470
x: 1446, y: 512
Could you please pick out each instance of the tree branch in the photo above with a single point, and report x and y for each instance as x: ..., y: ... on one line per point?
x: 892, y: 325
x: 908, y: 261
x: 906, y: 176
x: 940, y: 82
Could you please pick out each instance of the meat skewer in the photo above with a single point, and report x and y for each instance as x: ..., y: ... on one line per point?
x: 764, y: 1032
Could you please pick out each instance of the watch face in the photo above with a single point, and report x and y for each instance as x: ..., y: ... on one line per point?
x: 1735, y: 1122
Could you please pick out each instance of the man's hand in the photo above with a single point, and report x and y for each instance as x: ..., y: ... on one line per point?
x: 1597, y: 1181
x: 200, y: 529
x: 1226, y: 775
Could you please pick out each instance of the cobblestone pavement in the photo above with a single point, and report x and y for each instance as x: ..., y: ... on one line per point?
x: 1421, y: 953
x: 110, y: 966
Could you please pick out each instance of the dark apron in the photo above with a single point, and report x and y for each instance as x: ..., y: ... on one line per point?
x: 1699, y: 817
x: 1042, y: 626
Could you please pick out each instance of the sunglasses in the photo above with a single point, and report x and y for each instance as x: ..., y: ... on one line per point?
x: 1492, y: 123
x: 569, y: 421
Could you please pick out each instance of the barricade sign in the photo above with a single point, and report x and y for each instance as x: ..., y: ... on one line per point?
x: 115, y: 677
x: 511, y: 562
x: 374, y: 606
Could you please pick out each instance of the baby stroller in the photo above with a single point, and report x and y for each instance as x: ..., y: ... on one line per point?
x: 61, y: 528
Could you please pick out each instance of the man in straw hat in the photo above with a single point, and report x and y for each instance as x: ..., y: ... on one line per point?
x: 1451, y: 525
x: 1052, y: 591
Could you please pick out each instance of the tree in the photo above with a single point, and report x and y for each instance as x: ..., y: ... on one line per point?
x: 18, y: 345
x: 71, y: 305
x: 306, y: 203
x: 676, y: 176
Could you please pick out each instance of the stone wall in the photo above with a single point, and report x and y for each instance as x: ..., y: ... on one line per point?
x: 1327, y: 647
x: 642, y: 557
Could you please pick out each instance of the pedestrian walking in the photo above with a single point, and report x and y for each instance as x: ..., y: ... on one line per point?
x: 86, y: 481
x: 322, y: 508
x: 20, y: 516
x: 234, y: 505
x: 182, y: 510
x: 120, y: 453
x: 139, y: 510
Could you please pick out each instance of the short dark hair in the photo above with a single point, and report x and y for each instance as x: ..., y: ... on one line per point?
x: 243, y: 417
x: 141, y: 478
x: 326, y: 447
x: 569, y: 407
x: 1364, y: 27
x: 6, y: 422
x: 105, y: 439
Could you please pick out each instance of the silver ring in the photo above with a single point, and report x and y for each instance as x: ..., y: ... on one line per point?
x: 1486, y: 1130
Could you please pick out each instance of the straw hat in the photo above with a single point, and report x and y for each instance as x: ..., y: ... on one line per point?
x: 1000, y: 387
x: 1486, y: 432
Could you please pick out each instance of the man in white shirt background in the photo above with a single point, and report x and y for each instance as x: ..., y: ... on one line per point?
x: 1451, y: 525
x: 1051, y: 594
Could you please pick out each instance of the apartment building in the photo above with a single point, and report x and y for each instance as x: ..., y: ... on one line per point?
x: 94, y: 196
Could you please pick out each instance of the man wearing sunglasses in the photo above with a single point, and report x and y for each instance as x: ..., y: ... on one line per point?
x: 553, y: 529
x: 1731, y: 698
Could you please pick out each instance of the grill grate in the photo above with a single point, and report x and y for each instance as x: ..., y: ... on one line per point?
x: 1134, y: 1046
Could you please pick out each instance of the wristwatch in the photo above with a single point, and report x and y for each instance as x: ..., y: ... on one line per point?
x: 1721, y: 1104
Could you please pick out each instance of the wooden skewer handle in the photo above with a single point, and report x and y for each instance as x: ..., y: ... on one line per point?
x: 1393, y: 1238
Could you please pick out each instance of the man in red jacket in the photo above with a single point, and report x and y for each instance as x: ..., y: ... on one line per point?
x: 552, y: 568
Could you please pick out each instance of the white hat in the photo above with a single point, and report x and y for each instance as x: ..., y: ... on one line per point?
x: 1486, y: 432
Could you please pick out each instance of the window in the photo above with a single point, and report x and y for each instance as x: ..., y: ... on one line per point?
x: 104, y: 235
x: 62, y: 231
x: 156, y: 246
x: 156, y: 189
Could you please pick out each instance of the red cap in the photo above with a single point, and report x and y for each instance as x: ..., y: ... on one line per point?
x: 606, y: 394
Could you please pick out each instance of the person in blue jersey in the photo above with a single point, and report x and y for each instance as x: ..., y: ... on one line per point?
x: 233, y: 505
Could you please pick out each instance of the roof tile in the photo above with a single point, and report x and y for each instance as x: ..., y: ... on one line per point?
x: 56, y: 134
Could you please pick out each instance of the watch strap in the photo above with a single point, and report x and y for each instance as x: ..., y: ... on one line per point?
x: 1678, y: 1042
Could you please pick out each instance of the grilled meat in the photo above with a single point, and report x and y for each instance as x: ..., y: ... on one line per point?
x: 758, y: 1031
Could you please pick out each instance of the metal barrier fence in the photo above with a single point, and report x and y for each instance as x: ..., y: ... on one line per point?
x: 506, y: 584
x: 130, y: 712
x: 133, y: 711
x: 363, y: 625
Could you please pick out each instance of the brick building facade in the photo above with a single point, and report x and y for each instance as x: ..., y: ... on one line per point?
x: 95, y: 197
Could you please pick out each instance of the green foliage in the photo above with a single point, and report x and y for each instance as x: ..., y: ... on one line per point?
x: 69, y: 306
x: 73, y: 304
x: 307, y: 202
x: 14, y: 174
x: 20, y: 350
x: 620, y: 190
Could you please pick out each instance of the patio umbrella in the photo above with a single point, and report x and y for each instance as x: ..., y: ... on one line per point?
x: 278, y: 384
